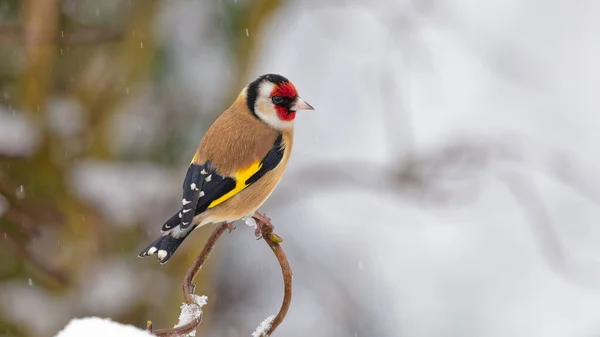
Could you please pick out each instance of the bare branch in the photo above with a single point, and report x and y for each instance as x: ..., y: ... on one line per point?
x: 272, y: 239
x: 183, y: 330
x: 188, y: 288
x: 188, y: 285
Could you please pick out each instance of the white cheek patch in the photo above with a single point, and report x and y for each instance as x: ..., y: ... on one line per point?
x: 265, y: 89
x: 265, y: 109
x: 275, y: 122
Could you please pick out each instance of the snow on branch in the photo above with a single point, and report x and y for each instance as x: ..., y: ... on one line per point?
x: 262, y: 329
x: 191, y: 312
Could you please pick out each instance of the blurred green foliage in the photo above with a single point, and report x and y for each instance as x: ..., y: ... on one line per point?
x: 70, y: 49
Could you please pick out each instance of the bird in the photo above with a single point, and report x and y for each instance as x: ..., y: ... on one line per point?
x: 238, y: 164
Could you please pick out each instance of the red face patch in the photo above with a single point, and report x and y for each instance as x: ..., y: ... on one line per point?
x: 286, y: 89
x: 284, y: 114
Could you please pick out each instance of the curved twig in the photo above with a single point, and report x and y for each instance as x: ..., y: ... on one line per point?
x: 183, y: 330
x: 188, y: 288
x: 272, y: 239
x: 188, y: 285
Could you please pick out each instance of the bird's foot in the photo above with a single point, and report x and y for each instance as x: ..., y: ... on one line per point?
x: 261, y: 217
x: 257, y: 231
x: 230, y: 226
x: 262, y: 220
x: 264, y: 228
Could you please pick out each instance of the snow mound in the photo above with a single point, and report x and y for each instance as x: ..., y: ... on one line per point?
x: 100, y: 327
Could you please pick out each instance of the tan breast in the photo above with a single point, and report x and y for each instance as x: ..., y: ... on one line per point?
x: 251, y: 198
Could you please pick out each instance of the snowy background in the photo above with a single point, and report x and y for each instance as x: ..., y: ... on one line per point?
x: 446, y: 184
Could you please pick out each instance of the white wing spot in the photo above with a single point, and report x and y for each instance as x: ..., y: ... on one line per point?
x: 162, y: 254
x: 186, y: 223
x: 152, y: 250
x: 193, y: 187
x: 185, y: 202
x: 209, y: 178
x: 203, y: 172
x: 187, y: 210
x: 180, y: 216
x: 201, y: 194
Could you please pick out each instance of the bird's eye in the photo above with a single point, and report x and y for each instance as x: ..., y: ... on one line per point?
x: 277, y: 99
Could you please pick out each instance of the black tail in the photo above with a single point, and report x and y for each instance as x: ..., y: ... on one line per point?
x: 166, y: 245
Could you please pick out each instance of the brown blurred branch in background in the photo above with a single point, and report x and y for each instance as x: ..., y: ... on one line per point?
x: 81, y: 36
x: 272, y: 239
x: 43, y: 265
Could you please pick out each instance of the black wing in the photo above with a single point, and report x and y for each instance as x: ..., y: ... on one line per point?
x: 202, y: 185
x: 270, y: 161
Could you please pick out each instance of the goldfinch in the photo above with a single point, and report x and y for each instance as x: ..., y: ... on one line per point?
x: 239, y: 162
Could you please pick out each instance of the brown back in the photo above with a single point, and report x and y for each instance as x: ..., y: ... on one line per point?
x: 235, y: 140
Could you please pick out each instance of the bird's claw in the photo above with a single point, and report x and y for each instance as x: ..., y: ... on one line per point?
x: 257, y: 231
x: 261, y: 217
x: 230, y: 226
x: 263, y: 225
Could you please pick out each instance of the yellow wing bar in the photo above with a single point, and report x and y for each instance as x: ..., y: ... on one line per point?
x: 240, y: 182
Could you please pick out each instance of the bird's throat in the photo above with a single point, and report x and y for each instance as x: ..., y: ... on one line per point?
x: 284, y: 114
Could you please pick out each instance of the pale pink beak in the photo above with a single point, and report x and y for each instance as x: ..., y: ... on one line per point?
x: 301, y: 104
